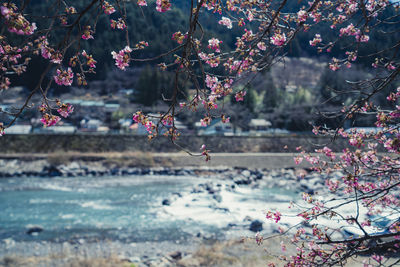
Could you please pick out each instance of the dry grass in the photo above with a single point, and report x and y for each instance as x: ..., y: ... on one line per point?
x: 142, y: 160
x: 61, y: 260
x: 58, y: 158
x: 238, y: 253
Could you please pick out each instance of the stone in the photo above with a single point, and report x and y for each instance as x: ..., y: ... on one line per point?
x: 34, y: 230
x: 52, y: 171
x: 166, y: 202
x: 256, y: 226
x: 246, y: 173
x: 176, y: 255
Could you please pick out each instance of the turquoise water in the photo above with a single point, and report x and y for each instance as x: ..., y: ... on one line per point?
x: 129, y: 208
x: 118, y: 208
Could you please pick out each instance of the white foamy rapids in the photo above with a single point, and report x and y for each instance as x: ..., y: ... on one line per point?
x: 67, y: 216
x: 40, y: 201
x: 97, y: 205
x: 234, y: 207
x: 55, y: 187
x: 237, y: 206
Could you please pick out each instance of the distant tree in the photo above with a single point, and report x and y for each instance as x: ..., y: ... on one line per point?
x: 272, y: 96
x: 154, y: 85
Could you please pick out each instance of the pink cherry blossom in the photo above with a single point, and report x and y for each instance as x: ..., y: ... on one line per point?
x: 49, y: 120
x: 213, y: 43
x: 120, y: 24
x: 179, y: 37
x: 142, y: 2
x: 349, y: 30
x: 65, y: 110
x: 205, y: 121
x: 317, y: 39
x: 108, y: 9
x: 5, y: 11
x: 278, y: 39
x: 163, y: 5
x: 261, y: 46
x: 64, y: 77
x: 122, y: 58
x: 87, y: 33
x: 302, y: 16
x: 239, y: 96
x: 226, y: 22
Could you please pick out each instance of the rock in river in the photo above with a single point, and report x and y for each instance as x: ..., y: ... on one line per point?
x: 166, y: 202
x: 256, y: 226
x: 34, y: 230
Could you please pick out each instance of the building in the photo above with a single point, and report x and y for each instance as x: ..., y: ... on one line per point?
x: 217, y: 127
x: 19, y: 129
x: 259, y: 126
x: 93, y: 125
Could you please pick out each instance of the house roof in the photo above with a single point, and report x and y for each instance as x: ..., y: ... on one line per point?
x: 19, y: 129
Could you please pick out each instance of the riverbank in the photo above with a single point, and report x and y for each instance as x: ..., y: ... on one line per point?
x: 235, y: 253
x: 97, y: 164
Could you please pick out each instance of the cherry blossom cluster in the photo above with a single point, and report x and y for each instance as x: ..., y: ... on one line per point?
x: 141, y: 45
x: 163, y: 5
x: 275, y: 216
x: 226, y: 22
x: 48, y: 52
x: 4, y: 83
x: 48, y: 119
x: 179, y: 37
x: 205, y: 152
x: 15, y: 21
x: 108, y: 9
x: 87, y: 33
x: 122, y: 58
x: 89, y: 59
x: 239, y: 96
x: 64, y: 77
x: 317, y: 39
x: 213, y: 44
x: 118, y: 24
x: 139, y: 117
x: 142, y: 2
x: 279, y: 39
x: 64, y: 109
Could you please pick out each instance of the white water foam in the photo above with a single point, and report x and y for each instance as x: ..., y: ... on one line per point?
x: 97, y: 205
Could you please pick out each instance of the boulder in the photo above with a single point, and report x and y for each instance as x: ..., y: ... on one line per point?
x: 166, y: 202
x: 34, y: 230
x: 241, y: 180
x: 176, y: 255
x: 52, y: 171
x: 256, y: 226
x: 246, y: 173
x: 115, y: 171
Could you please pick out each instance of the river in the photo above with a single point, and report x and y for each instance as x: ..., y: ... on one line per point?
x: 129, y: 208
